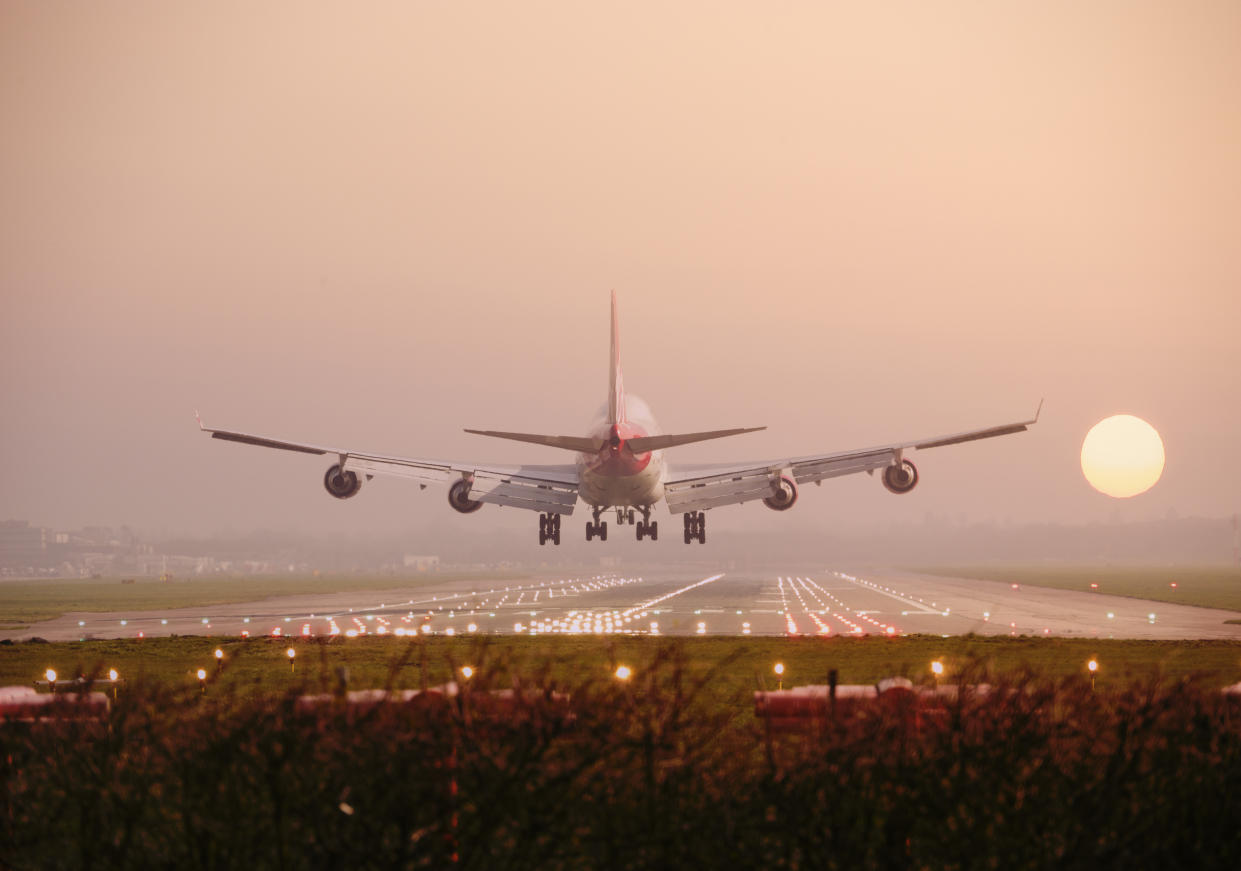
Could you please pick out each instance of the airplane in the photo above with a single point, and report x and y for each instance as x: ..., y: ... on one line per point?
x: 620, y: 466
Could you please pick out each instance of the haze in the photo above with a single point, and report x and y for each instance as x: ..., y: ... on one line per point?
x: 371, y: 226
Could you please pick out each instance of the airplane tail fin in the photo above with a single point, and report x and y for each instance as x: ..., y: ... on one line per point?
x: 616, y: 388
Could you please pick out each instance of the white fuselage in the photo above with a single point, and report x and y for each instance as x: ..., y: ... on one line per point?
x: 616, y: 476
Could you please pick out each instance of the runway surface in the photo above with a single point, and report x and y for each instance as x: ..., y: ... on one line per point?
x: 785, y: 601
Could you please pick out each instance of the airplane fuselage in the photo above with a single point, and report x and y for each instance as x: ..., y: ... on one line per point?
x: 616, y: 476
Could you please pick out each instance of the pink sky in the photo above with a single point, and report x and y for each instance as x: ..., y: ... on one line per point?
x: 372, y: 225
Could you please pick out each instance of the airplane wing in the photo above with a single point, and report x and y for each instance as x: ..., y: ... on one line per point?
x: 699, y: 487
x: 550, y: 489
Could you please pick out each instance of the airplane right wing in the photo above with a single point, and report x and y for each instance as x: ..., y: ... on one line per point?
x: 698, y: 487
x: 546, y: 489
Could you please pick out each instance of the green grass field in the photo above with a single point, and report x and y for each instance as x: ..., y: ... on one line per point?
x: 735, y: 667
x: 1205, y: 586
x: 29, y: 601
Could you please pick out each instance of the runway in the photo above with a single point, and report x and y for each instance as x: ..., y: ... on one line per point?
x: 783, y: 601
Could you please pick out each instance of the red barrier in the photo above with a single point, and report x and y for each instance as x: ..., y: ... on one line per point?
x: 24, y: 704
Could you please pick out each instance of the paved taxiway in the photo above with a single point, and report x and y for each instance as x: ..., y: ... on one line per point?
x: 778, y: 602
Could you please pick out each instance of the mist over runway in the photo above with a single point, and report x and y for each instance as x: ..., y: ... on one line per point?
x: 788, y: 601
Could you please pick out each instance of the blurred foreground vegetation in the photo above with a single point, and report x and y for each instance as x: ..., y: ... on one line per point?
x: 585, y: 771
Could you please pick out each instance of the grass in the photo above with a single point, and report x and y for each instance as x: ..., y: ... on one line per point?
x: 1204, y: 586
x: 259, y: 666
x: 29, y: 601
x: 652, y: 773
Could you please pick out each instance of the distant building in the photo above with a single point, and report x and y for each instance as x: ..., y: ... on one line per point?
x: 422, y: 563
x: 24, y: 547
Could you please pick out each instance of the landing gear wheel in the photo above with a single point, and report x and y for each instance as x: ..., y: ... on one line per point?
x: 549, y: 528
x: 695, y: 526
x: 652, y: 530
x: 603, y: 530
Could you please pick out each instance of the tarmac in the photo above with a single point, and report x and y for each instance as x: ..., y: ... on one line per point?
x: 782, y: 601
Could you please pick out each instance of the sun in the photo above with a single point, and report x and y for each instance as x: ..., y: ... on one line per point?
x: 1122, y: 456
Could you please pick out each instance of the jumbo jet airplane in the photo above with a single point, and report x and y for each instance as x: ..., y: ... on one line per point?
x: 620, y: 466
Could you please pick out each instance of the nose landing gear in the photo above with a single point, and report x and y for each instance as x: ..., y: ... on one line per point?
x: 695, y: 526
x: 549, y: 528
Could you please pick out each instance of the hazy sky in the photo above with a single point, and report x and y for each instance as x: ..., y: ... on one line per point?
x: 370, y: 225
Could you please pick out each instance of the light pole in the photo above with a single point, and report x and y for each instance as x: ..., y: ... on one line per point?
x: 219, y: 660
x: 50, y: 674
x: 779, y: 670
x: 1092, y: 667
x: 291, y: 654
x: 202, y: 681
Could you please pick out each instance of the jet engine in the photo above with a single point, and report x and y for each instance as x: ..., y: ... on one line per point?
x: 900, y: 478
x: 459, y: 498
x: 340, y: 484
x: 784, y: 494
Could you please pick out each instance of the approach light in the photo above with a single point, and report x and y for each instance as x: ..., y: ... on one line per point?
x: 202, y: 674
x: 113, y: 675
x: 219, y: 654
x: 467, y: 672
x: 50, y: 674
x: 1093, y: 665
x: 937, y: 668
x: 623, y: 672
x: 779, y: 669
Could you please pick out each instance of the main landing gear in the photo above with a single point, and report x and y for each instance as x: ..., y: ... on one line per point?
x: 647, y: 528
x: 549, y: 528
x: 695, y: 526
x: 597, y: 527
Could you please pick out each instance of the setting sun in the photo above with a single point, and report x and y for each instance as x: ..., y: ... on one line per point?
x: 1122, y: 456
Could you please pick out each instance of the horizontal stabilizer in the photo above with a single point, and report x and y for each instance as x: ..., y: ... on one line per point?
x: 659, y: 442
x: 571, y: 443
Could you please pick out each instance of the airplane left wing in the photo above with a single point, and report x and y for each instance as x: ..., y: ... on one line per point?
x: 551, y: 489
x: 699, y: 487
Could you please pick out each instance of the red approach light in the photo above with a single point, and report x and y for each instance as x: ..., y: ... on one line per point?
x: 1173, y: 584
x: 1094, y: 586
x: 1016, y: 587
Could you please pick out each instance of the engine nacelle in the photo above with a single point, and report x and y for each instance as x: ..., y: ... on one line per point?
x: 784, y: 494
x: 342, y: 485
x: 459, y: 497
x: 901, y: 478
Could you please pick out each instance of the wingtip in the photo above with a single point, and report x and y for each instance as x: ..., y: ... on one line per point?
x: 1038, y: 410
x: 198, y: 417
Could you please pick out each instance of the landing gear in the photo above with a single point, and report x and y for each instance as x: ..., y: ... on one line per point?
x: 695, y: 526
x: 646, y: 527
x: 597, y: 527
x: 600, y: 529
x: 549, y: 528
x: 624, y: 516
